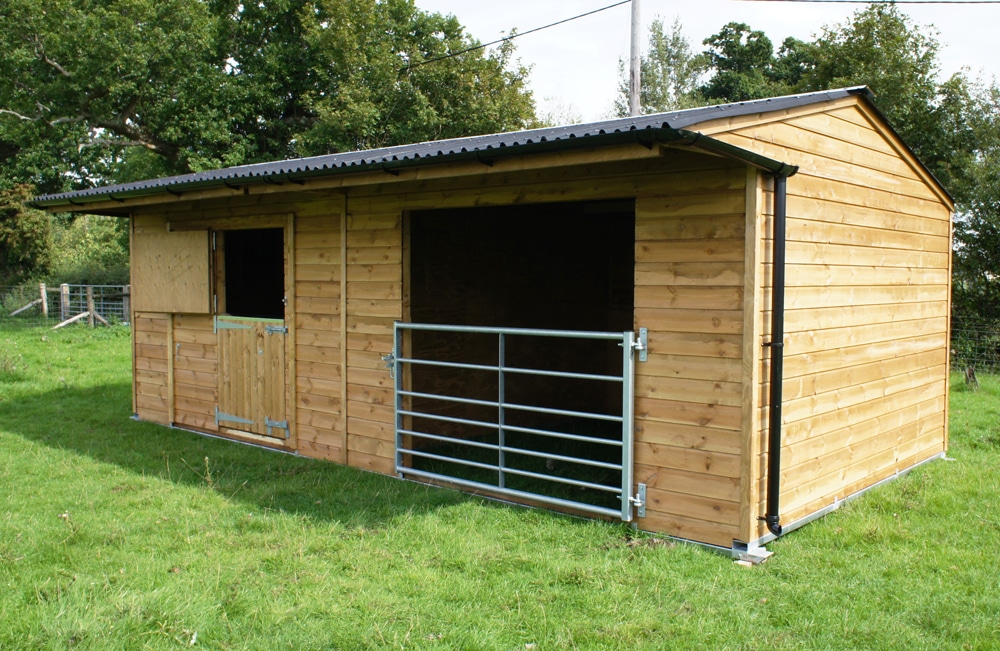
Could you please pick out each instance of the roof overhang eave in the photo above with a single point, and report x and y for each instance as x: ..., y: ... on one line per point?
x: 648, y: 137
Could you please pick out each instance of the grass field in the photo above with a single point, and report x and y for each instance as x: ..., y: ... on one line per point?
x: 123, y: 535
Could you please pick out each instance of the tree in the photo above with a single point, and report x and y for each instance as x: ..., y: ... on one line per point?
x: 743, y: 64
x: 670, y: 73
x: 25, y: 244
x: 94, y: 91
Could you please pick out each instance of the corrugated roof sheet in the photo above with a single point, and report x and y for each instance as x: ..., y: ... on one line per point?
x: 436, y: 151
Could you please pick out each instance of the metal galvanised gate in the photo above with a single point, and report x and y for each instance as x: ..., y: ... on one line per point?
x: 504, y: 453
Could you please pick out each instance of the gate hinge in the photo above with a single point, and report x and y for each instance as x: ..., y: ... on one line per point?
x: 276, y: 424
x: 642, y: 344
x: 276, y: 330
x: 639, y: 500
x: 390, y: 363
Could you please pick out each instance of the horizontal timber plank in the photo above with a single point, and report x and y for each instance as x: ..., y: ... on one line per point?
x: 361, y: 238
x: 390, y: 255
x: 374, y: 290
x: 317, y: 386
x: 392, y: 309
x: 365, y: 428
x: 375, y: 273
x: 689, y: 483
x: 693, y: 437
x: 716, y: 369
x: 317, y: 306
x: 841, y: 378
x: 823, y: 275
x: 200, y: 365
x: 700, y: 391
x: 371, y: 411
x: 689, y: 297
x: 693, y: 343
x: 651, y: 226
x: 802, y: 229
x: 832, y: 402
x: 687, y: 413
x: 311, y: 402
x: 843, y: 317
x: 317, y: 450
x: 679, y: 526
x: 690, y: 251
x: 841, y: 254
x: 316, y: 289
x: 370, y: 324
x: 372, y: 447
x: 693, y: 506
x: 382, y: 465
x: 656, y: 274
x: 810, y: 363
x: 317, y: 338
x: 725, y: 322
x: 691, y: 460
x: 318, y: 273
x: 809, y: 428
x: 318, y: 370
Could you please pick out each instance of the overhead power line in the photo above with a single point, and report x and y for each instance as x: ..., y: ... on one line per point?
x: 888, y: 2
x: 513, y: 36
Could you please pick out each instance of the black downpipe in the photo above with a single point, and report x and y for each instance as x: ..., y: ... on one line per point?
x: 777, y: 346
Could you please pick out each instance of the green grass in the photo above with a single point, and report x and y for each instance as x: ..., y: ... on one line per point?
x: 122, y: 535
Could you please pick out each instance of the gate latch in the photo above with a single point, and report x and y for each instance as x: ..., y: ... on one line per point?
x: 276, y: 330
x: 390, y: 363
x: 639, y: 500
x: 642, y: 344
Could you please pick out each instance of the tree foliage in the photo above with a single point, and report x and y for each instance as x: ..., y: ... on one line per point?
x: 25, y: 243
x: 117, y: 90
x: 670, y: 72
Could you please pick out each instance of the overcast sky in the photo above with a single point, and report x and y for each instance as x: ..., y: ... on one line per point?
x: 575, y: 65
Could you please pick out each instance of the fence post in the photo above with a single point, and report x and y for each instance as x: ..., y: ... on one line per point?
x: 63, y: 302
x: 90, y: 305
x: 127, y: 304
x: 45, y: 300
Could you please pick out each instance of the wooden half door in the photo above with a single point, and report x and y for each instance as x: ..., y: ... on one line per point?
x: 252, y: 387
x: 252, y: 281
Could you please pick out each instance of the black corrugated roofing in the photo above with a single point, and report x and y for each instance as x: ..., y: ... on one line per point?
x: 482, y: 147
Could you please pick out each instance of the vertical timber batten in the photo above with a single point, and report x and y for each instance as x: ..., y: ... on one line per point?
x: 291, y: 383
x: 342, y: 226
x: 750, y: 431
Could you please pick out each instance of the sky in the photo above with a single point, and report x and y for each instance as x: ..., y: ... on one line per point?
x: 574, y: 73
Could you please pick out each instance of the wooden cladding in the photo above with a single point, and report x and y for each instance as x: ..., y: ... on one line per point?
x: 173, y: 275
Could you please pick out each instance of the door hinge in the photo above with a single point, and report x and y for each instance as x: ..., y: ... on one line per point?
x: 276, y: 330
x: 276, y: 424
x: 229, y: 418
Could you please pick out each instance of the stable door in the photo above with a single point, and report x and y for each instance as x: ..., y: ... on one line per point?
x: 252, y: 332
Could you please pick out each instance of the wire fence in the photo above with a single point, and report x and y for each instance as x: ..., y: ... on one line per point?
x: 975, y: 344
x: 56, y: 306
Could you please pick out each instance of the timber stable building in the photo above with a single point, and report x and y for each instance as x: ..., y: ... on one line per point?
x: 715, y: 323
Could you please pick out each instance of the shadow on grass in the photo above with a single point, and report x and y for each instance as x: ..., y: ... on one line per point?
x: 95, y: 422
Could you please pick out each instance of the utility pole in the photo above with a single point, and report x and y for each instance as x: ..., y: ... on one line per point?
x: 634, y: 74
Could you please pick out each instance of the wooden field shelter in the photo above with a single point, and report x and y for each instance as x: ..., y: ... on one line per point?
x: 717, y: 323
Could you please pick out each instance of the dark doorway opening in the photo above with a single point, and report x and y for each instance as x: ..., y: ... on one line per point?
x: 566, y: 266
x: 254, y: 264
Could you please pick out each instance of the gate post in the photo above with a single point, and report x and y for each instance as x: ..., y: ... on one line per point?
x: 90, y: 306
x: 45, y: 300
x: 63, y: 302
